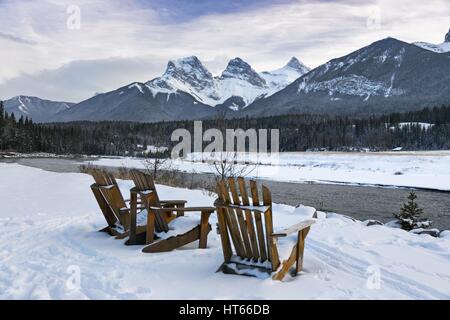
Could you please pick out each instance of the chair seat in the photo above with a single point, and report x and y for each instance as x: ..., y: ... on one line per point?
x: 177, y: 226
x: 180, y: 225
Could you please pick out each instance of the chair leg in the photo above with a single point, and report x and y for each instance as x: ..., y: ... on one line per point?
x: 205, y: 227
x: 133, y: 214
x: 109, y: 231
x: 173, y: 242
x: 286, y: 265
x: 296, y: 256
x: 300, y: 249
x: 126, y: 219
x: 180, y: 213
x: 150, y: 227
x: 224, y: 237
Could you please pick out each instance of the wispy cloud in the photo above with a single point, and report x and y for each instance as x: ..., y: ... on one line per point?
x: 38, y: 45
x: 16, y: 39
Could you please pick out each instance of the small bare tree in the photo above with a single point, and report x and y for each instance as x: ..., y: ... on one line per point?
x: 156, y: 159
x: 226, y: 164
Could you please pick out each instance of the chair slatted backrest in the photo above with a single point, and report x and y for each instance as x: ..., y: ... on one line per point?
x: 103, y: 177
x: 249, y: 229
x: 111, y: 192
x: 145, y: 185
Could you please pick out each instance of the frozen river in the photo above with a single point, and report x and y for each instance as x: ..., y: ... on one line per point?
x: 360, y: 202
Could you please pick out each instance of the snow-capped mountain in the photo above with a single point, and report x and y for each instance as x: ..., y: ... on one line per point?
x: 187, y: 75
x: 39, y: 110
x: 388, y: 75
x: 280, y: 78
x: 186, y: 90
x: 439, y: 48
x: 237, y: 86
x: 238, y: 69
x: 240, y: 80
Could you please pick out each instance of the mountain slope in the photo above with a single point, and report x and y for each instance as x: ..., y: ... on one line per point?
x: 136, y: 102
x: 388, y: 75
x: 280, y: 78
x: 35, y: 108
x: 439, y: 48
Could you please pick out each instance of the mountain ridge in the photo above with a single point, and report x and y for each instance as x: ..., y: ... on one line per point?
x: 386, y: 74
x: 185, y: 91
x: 238, y: 79
x: 439, y: 48
x: 35, y: 108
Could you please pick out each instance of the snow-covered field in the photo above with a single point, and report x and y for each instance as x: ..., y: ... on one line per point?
x: 49, y: 241
x: 404, y: 169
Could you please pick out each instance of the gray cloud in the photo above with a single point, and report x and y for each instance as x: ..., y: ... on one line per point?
x: 16, y: 39
x: 80, y: 80
x: 124, y: 41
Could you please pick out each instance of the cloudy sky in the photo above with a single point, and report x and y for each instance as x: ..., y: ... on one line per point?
x: 69, y: 50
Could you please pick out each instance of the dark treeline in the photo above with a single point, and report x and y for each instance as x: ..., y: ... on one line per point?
x: 297, y: 133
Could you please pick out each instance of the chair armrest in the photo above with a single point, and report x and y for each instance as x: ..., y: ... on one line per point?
x: 124, y: 210
x: 295, y: 228
x: 261, y: 209
x: 191, y: 209
x: 129, y: 200
x: 173, y: 201
x: 137, y: 202
x: 107, y: 187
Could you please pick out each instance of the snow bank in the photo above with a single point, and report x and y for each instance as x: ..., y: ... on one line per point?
x: 49, y: 242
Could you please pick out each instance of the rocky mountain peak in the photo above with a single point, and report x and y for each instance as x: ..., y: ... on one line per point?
x: 239, y: 69
x: 447, y: 36
x: 296, y: 65
x: 188, y: 70
x: 187, y: 65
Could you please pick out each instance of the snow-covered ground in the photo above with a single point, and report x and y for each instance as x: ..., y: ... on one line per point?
x: 49, y: 240
x: 405, y: 169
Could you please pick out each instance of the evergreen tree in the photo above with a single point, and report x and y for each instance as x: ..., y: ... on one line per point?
x: 297, y: 133
x: 410, y: 214
x: 2, y: 112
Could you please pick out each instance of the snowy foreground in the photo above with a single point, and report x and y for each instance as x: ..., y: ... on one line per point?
x: 429, y: 170
x: 49, y: 240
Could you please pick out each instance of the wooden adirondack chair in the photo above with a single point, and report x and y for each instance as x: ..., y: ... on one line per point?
x: 159, y: 215
x: 114, y: 206
x: 250, y: 228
